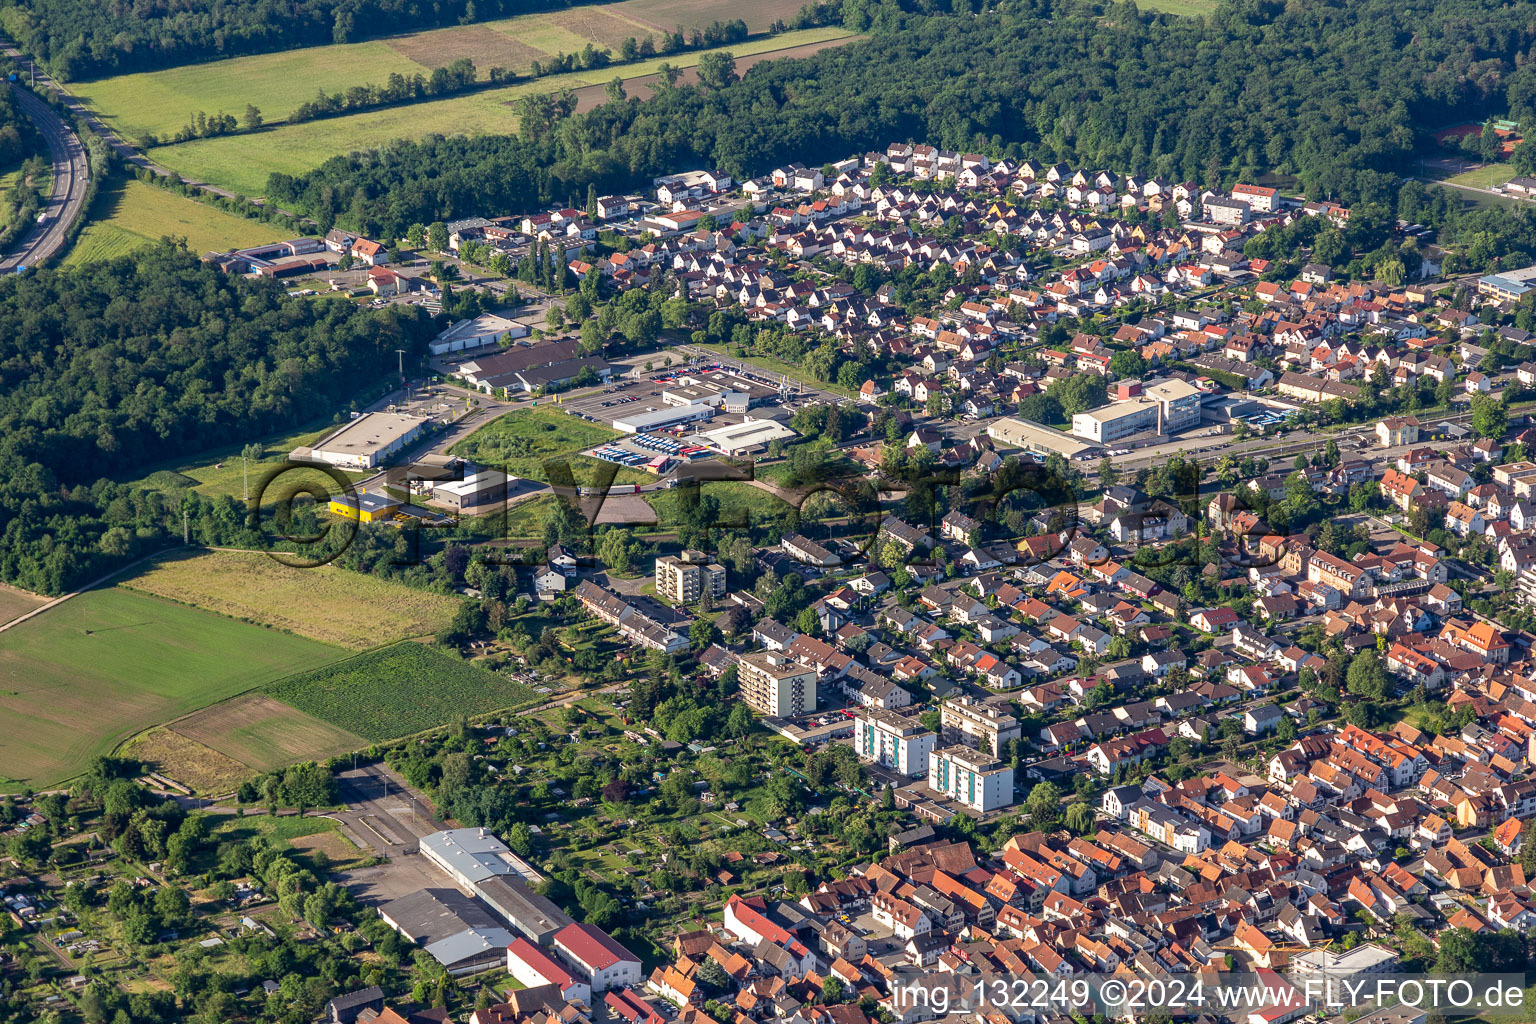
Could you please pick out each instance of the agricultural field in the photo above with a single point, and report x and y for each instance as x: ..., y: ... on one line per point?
x: 15, y: 603
x: 78, y: 680
x: 220, y: 471
x: 129, y: 215
x: 399, y: 690
x: 523, y: 439
x: 334, y: 606
x: 1188, y: 8
x: 668, y: 14
x: 264, y: 734
x: 242, y: 162
x: 200, y: 768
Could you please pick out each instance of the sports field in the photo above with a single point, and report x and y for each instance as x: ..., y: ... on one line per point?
x: 334, y: 606
x: 80, y: 678
x: 129, y: 215
x: 397, y: 691
x: 243, y: 162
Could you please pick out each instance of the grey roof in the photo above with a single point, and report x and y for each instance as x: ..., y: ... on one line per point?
x: 524, y: 909
x: 471, y: 945
x: 473, y: 852
x: 431, y: 915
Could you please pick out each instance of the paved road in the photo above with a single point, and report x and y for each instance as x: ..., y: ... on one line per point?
x: 70, y: 178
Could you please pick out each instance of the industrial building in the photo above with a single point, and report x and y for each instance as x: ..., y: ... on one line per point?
x: 458, y: 931
x: 1164, y: 407
x: 525, y: 910
x: 365, y: 507
x: 663, y: 419
x: 480, y: 489
x: 775, y: 685
x: 742, y: 438
x: 483, y: 331
x: 897, y: 741
x: 364, y: 443
x: 685, y: 580
x: 975, y: 779
x: 470, y: 855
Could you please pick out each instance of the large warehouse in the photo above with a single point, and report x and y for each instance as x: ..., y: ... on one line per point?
x: 741, y: 438
x: 366, y: 442
x: 662, y: 419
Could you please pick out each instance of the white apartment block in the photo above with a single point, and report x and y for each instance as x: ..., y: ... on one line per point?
x: 971, y: 777
x: 896, y: 741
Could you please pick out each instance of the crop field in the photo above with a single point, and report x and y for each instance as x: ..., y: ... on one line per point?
x: 243, y: 162
x: 195, y: 765
x: 482, y: 44
x: 668, y: 14
x: 1188, y: 8
x: 79, y: 679
x: 261, y: 733
x: 397, y: 691
x: 605, y: 26
x: 130, y: 215
x: 16, y: 603
x: 334, y: 606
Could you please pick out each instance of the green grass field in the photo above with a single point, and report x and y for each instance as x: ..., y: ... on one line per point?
x: 80, y: 678
x: 397, y: 691
x: 523, y: 439
x: 334, y: 606
x: 741, y: 504
x: 1485, y: 176
x: 219, y: 471
x: 129, y: 215
x: 1188, y: 8
x: 243, y: 162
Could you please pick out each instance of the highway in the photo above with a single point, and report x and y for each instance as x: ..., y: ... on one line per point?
x: 70, y: 178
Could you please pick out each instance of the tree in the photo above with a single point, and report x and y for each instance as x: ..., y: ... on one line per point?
x: 253, y: 118
x: 702, y: 633
x: 437, y: 236
x: 1367, y: 677
x: 1044, y: 801
x: 1108, y: 474
x: 1490, y: 418
x: 1080, y: 818
x: 717, y: 70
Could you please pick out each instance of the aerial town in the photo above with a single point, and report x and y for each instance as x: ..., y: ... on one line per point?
x: 610, y: 566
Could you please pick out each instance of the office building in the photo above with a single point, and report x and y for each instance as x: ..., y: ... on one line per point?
x: 1165, y: 407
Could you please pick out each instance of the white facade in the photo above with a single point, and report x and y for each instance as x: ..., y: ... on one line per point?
x: 974, y: 779
x: 895, y: 741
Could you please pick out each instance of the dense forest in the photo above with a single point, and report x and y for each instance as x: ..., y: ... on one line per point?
x: 81, y: 39
x: 117, y: 365
x: 1334, y: 94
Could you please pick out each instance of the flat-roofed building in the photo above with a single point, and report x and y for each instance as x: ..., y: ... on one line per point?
x: 457, y: 930
x: 1368, y: 958
x: 982, y: 725
x: 1013, y: 432
x: 897, y: 741
x: 740, y: 438
x: 1166, y: 407
x: 971, y: 777
x: 775, y: 685
x: 686, y: 579
x: 469, y: 855
x: 525, y: 910
x: 483, y: 331
x: 365, y: 442
x: 479, y: 489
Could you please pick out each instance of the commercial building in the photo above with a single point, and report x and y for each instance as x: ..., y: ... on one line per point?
x: 1165, y: 407
x: 896, y: 741
x: 1369, y: 958
x: 775, y: 685
x: 602, y: 961
x: 365, y: 507
x: 525, y: 910
x: 480, y: 489
x: 1508, y: 285
x: 685, y: 580
x: 483, y: 331
x: 1012, y: 432
x: 982, y: 725
x: 365, y: 442
x: 970, y: 777
x: 662, y: 419
x: 742, y: 438
x: 458, y: 931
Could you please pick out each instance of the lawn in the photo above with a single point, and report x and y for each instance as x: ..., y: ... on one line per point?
x: 304, y: 834
x: 220, y: 471
x: 1184, y: 7
x: 1485, y: 176
x: 129, y: 215
x: 741, y: 504
x: 521, y: 441
x: 79, y: 679
x: 332, y: 605
x: 404, y: 689
x: 243, y: 162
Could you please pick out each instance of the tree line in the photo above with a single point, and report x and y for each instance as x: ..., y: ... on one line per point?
x: 118, y: 365
x: 1337, y: 96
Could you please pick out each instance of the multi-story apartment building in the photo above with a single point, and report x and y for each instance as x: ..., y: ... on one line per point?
x: 971, y: 777
x: 980, y: 725
x: 775, y: 685
x: 686, y: 579
x: 896, y: 741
